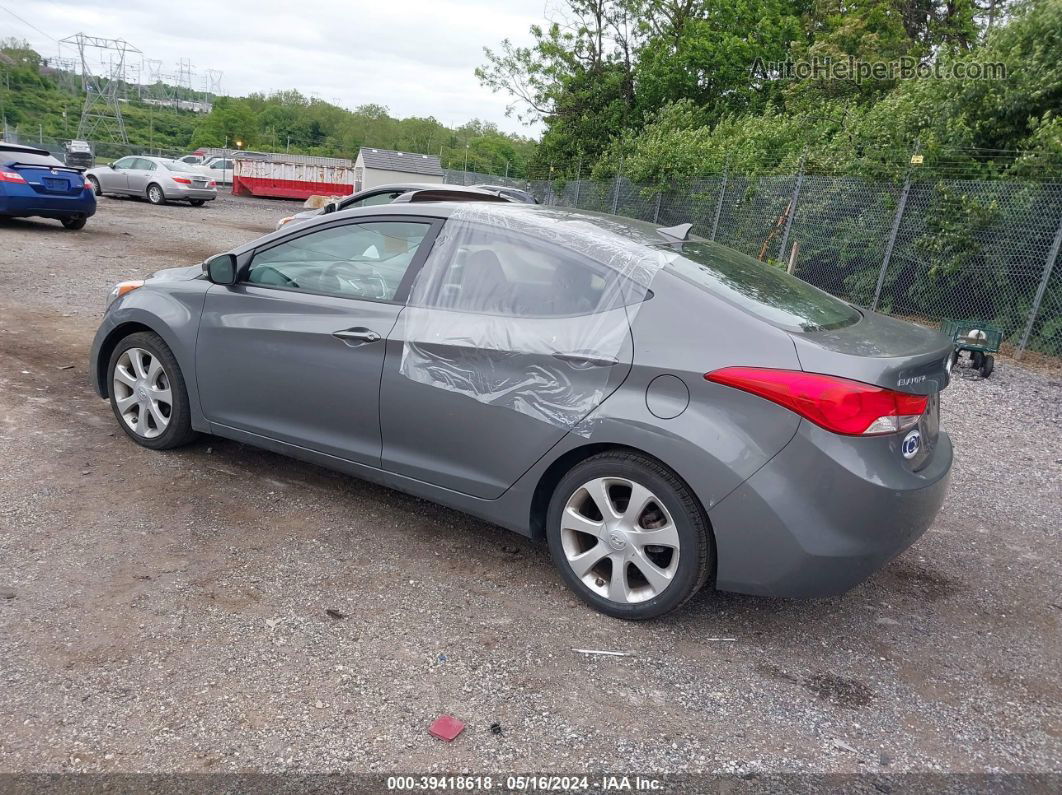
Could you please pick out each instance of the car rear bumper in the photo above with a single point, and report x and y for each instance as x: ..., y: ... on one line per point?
x: 182, y: 192
x: 824, y: 514
x: 48, y: 206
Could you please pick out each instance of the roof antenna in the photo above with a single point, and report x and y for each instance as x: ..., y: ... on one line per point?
x: 680, y: 232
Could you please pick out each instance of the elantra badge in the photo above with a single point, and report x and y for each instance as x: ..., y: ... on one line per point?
x: 912, y: 442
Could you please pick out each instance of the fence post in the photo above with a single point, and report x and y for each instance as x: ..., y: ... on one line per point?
x: 793, y: 205
x: 616, y: 189
x: 722, y: 192
x: 656, y: 208
x: 897, y: 218
x: 1049, y: 266
x: 578, y: 180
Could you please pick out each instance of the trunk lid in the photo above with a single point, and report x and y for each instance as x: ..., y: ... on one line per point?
x: 52, y: 180
x: 879, y: 350
x: 889, y: 353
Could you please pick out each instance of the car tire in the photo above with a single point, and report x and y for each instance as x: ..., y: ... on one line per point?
x: 142, y: 366
x: 95, y: 183
x: 197, y: 202
x: 656, y: 578
x: 74, y: 223
x: 155, y: 194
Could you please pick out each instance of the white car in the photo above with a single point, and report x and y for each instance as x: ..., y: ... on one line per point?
x: 218, y: 168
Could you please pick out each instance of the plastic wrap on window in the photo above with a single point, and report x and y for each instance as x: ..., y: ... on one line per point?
x: 551, y: 351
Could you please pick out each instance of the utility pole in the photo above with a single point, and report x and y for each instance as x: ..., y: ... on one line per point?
x: 101, y: 113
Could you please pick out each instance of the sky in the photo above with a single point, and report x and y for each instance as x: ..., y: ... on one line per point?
x: 414, y: 56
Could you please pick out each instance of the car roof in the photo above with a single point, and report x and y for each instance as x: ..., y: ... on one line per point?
x: 422, y: 186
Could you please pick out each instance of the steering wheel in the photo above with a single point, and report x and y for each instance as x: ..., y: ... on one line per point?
x: 361, y: 274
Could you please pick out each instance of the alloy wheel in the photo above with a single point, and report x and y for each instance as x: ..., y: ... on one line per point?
x: 142, y: 393
x: 620, y: 540
x: 155, y: 194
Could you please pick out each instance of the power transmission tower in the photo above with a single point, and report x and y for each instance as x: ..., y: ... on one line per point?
x: 212, y: 83
x: 101, y: 114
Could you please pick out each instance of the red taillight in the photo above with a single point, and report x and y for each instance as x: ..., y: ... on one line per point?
x: 182, y: 180
x: 836, y: 404
x: 212, y: 184
x: 88, y: 184
x: 11, y: 176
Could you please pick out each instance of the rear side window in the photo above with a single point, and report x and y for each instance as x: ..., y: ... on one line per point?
x: 762, y: 290
x: 484, y: 271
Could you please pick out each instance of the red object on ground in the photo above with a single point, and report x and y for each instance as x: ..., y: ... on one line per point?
x: 446, y: 728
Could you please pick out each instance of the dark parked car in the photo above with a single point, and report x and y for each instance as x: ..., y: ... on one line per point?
x: 664, y: 411
x: 508, y: 192
x: 34, y: 183
x: 384, y: 194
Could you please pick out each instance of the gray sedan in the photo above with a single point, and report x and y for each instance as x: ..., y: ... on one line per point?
x: 155, y: 178
x: 663, y: 411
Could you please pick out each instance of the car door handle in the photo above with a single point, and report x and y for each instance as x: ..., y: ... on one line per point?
x: 357, y: 336
x: 582, y: 360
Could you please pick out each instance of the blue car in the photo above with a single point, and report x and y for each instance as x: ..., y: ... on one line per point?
x: 33, y: 183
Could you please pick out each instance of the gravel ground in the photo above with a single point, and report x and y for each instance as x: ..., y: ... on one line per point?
x: 167, y: 612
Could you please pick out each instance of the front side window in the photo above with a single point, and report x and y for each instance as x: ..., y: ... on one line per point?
x: 366, y: 261
x: 125, y: 162
x: 484, y: 270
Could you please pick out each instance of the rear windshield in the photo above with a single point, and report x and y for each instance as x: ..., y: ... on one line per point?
x: 177, y: 165
x: 762, y: 290
x: 28, y: 158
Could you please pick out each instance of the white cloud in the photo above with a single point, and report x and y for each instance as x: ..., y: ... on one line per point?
x: 416, y: 57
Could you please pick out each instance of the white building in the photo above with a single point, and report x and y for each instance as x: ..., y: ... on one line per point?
x: 382, y: 166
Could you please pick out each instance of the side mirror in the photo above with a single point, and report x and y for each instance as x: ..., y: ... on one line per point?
x: 222, y: 269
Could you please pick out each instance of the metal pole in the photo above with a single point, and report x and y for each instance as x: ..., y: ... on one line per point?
x: 615, y: 190
x: 656, y: 208
x: 793, y: 205
x: 722, y: 192
x: 1049, y: 266
x: 578, y: 181
x: 893, y: 233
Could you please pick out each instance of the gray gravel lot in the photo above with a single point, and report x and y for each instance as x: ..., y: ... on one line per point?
x: 166, y: 611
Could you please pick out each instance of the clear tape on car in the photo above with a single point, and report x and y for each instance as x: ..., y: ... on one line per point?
x: 466, y: 317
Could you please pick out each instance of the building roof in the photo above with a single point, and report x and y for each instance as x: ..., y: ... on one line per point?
x: 405, y: 162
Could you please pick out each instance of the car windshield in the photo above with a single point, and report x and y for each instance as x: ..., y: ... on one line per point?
x: 28, y: 158
x: 177, y: 165
x: 760, y: 289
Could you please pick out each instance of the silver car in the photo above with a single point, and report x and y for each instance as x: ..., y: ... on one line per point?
x: 664, y: 411
x: 155, y: 178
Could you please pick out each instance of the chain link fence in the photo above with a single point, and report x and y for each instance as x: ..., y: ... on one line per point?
x: 925, y: 249
x: 103, y: 151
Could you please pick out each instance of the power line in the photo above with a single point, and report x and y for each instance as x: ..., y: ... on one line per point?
x: 30, y: 24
